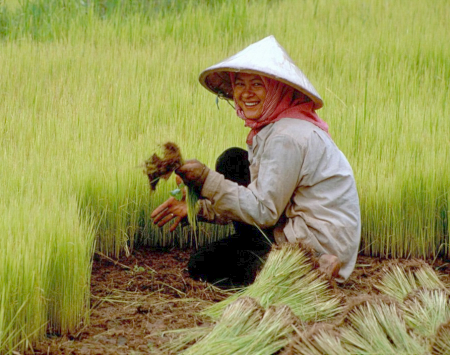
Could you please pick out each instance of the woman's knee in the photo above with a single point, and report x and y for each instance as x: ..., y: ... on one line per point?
x: 234, y: 165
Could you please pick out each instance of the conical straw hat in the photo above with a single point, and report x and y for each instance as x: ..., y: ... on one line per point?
x: 266, y: 57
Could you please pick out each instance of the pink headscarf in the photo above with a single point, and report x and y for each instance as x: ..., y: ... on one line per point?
x: 281, y: 101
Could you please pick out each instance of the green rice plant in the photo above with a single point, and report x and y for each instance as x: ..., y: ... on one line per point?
x: 399, y: 283
x: 379, y: 329
x: 373, y: 327
x: 157, y: 168
x: 426, y: 310
x: 410, y: 326
x: 245, y: 328
x: 428, y: 278
x: 287, y: 278
x: 441, y: 344
x: 375, y: 113
x: 44, y: 272
x: 10, y: 336
x: 86, y: 94
x: 322, y: 342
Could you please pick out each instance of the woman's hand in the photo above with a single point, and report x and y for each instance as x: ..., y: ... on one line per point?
x: 171, y: 209
x: 193, y: 173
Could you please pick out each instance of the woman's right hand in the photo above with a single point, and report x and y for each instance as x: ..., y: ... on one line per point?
x: 171, y: 209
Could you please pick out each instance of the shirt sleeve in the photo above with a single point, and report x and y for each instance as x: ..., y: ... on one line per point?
x: 267, y: 196
x: 207, y: 213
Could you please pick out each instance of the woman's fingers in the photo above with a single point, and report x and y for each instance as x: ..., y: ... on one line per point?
x: 162, y: 207
x: 175, y: 223
x: 172, y: 209
x: 163, y: 220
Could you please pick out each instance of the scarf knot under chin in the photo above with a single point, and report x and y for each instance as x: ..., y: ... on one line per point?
x: 282, y: 101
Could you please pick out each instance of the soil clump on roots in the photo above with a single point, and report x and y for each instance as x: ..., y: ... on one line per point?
x: 157, y: 167
x: 136, y: 299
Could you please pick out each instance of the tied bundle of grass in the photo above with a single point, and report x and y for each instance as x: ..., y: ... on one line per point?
x: 157, y: 168
x: 374, y: 326
x: 288, y: 278
x: 425, y: 310
x: 378, y: 328
x: 441, y: 344
x: 324, y: 340
x: 399, y: 282
x: 410, y: 319
x: 245, y: 328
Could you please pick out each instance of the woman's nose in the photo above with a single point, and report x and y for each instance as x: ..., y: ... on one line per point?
x: 247, y: 91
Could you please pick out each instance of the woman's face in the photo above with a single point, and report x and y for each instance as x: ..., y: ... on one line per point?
x: 250, y: 93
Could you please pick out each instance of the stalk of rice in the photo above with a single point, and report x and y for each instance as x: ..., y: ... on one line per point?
x: 378, y: 328
x: 193, y: 209
x: 398, y: 282
x: 288, y: 278
x: 441, y: 345
x: 428, y: 278
x: 238, y: 318
x: 184, y: 338
x: 157, y: 168
x: 322, y: 342
x: 245, y: 328
x: 426, y: 311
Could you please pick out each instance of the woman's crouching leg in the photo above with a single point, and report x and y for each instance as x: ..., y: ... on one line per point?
x: 227, y: 263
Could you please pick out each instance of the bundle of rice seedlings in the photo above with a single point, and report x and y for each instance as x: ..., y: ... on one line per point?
x: 325, y: 340
x: 398, y: 282
x: 245, y: 328
x: 425, y: 310
x: 428, y: 278
x: 183, y: 338
x: 273, y: 332
x: 157, y: 168
x: 243, y: 314
x: 441, y: 344
x: 378, y: 328
x: 288, y: 278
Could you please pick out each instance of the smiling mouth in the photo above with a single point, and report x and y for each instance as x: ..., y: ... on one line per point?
x: 251, y: 104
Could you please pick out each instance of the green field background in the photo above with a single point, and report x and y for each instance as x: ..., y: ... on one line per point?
x: 89, y: 89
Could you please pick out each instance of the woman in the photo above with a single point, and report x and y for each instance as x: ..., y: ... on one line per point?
x: 293, y: 185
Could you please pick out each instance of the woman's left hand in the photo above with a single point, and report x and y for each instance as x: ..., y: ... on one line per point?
x: 193, y: 173
x: 172, y: 209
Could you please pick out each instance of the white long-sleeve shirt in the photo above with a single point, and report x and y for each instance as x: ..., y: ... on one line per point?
x: 296, y: 169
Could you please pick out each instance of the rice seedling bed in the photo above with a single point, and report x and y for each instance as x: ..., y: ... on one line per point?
x: 87, y: 92
x: 136, y: 298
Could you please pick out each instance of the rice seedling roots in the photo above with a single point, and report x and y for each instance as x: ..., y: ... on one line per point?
x: 157, y: 167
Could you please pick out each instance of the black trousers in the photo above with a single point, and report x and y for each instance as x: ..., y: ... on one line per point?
x: 235, y: 260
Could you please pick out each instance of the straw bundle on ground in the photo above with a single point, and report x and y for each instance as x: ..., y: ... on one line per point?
x: 425, y: 311
x: 398, y: 282
x: 369, y: 328
x: 245, y: 328
x: 379, y: 329
x: 441, y: 345
x: 288, y: 278
x: 412, y: 319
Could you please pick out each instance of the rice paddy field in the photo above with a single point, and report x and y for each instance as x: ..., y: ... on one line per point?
x: 90, y: 89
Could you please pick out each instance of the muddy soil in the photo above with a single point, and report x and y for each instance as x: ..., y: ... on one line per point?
x: 137, y: 300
